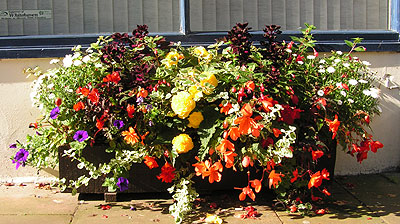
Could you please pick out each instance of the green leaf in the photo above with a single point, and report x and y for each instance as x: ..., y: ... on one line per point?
x: 349, y: 43
x: 208, y: 130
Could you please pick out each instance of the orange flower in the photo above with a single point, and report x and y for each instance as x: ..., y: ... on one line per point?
x: 246, y: 123
x: 276, y: 132
x: 234, y: 133
x: 225, y: 144
x: 317, y: 154
x: 167, y: 173
x: 247, y: 191
x: 256, y: 184
x: 326, y: 192
x: 150, y: 162
x: 113, y: 77
x: 99, y: 123
x: 200, y: 168
x: 79, y: 106
x: 295, y: 176
x: 225, y: 109
x: 315, y: 181
x: 213, y: 172
x: 333, y: 125
x: 131, y: 110
x: 250, y: 85
x: 143, y: 93
x: 131, y: 137
x: 229, y: 158
x: 274, y: 178
x: 267, y: 103
x: 205, y: 169
x: 94, y: 96
x: 85, y: 91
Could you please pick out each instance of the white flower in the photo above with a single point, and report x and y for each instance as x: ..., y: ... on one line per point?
x: 50, y: 86
x: 343, y: 93
x: 294, y: 55
x: 339, y: 52
x: 353, y: 82
x: 70, y: 90
x: 366, y: 63
x: 321, y: 70
x: 367, y: 92
x: 339, y: 85
x: 300, y: 62
x: 320, y: 92
x: 337, y: 60
x: 322, y: 61
x: 53, y: 61
x: 374, y: 92
x: 52, y: 96
x: 77, y: 62
x: 76, y: 55
x: 331, y: 69
x: 339, y: 102
x: 98, y: 65
x: 311, y: 57
x: 288, y: 50
x: 350, y: 100
x: 86, y: 59
x: 235, y: 108
x: 67, y: 61
x: 355, y: 58
x: 362, y: 81
x: 346, y: 65
x: 40, y: 106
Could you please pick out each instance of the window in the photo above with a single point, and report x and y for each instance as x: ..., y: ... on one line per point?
x: 49, y: 28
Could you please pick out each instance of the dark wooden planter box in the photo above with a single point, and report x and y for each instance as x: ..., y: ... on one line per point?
x: 141, y: 178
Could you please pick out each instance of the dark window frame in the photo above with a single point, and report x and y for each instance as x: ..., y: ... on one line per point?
x: 48, y: 46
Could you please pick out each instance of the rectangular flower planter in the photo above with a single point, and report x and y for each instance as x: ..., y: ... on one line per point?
x: 141, y: 178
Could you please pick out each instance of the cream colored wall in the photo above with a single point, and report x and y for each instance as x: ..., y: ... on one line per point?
x: 16, y: 113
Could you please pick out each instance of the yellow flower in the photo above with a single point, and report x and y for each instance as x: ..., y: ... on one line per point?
x: 172, y: 58
x: 201, y: 52
x: 182, y: 104
x: 195, y: 93
x: 182, y: 143
x: 213, y: 219
x: 210, y: 79
x: 195, y: 119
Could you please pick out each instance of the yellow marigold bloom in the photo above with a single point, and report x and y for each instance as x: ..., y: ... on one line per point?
x: 211, y: 79
x: 131, y: 137
x: 182, y: 104
x: 201, y: 52
x: 195, y: 93
x: 172, y: 58
x: 213, y: 219
x: 182, y: 143
x: 195, y: 119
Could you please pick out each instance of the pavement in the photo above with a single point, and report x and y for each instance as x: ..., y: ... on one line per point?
x: 373, y: 198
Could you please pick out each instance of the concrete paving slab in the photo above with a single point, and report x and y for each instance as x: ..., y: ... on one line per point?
x: 23, y: 200
x: 379, y: 192
x: 35, y: 219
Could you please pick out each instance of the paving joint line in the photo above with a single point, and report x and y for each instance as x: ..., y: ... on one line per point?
x: 73, y: 214
x: 359, y: 200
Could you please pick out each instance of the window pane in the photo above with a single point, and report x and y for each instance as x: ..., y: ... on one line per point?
x: 221, y: 15
x: 87, y: 16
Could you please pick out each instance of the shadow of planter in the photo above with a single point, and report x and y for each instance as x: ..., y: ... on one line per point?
x: 142, y: 179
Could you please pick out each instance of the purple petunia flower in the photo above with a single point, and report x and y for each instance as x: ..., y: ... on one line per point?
x: 139, y: 100
x: 54, y: 112
x: 118, y: 123
x: 13, y: 146
x: 81, y: 136
x: 150, y: 123
x: 20, y: 158
x: 149, y: 107
x: 123, y: 184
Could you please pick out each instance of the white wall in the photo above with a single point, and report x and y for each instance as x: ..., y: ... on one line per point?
x: 16, y: 113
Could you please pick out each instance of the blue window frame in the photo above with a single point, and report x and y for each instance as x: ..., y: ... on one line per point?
x: 41, y: 46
